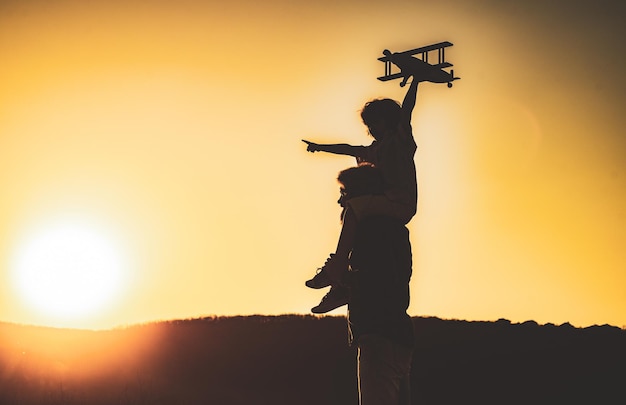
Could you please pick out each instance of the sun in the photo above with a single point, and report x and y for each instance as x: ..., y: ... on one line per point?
x: 68, y: 270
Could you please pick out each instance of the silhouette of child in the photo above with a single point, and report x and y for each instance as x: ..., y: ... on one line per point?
x: 392, y: 152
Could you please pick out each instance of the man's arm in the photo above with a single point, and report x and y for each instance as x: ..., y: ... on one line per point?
x: 337, y: 148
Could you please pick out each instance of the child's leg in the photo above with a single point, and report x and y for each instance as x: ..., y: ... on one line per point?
x: 336, y: 265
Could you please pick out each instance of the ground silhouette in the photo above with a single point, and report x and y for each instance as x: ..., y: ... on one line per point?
x: 295, y: 359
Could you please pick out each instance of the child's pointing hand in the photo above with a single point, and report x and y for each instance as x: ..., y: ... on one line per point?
x: 311, y: 147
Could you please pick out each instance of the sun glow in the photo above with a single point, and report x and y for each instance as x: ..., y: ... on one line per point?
x: 68, y: 270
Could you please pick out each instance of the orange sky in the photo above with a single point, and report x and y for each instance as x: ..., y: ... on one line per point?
x: 174, y: 128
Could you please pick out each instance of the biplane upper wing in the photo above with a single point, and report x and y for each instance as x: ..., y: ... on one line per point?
x: 422, y: 49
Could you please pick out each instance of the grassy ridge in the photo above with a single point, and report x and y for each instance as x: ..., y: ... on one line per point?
x: 294, y: 359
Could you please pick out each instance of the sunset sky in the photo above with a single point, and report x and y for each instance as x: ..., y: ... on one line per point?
x: 171, y: 133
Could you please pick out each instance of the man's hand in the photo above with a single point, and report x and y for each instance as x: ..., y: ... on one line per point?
x: 311, y: 147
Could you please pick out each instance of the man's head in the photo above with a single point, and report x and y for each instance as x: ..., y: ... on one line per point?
x: 381, y: 116
x: 364, y: 179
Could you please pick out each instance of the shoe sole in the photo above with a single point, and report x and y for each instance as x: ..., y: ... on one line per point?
x: 311, y: 284
x: 317, y: 310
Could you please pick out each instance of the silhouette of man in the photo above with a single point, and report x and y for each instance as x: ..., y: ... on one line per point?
x: 377, y: 279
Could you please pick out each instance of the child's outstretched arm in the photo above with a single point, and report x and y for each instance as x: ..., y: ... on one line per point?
x: 409, y: 102
x: 336, y: 148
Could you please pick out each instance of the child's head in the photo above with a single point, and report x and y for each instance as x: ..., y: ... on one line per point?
x: 364, y: 179
x: 380, y: 116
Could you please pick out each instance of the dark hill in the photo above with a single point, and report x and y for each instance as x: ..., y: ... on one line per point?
x: 306, y: 360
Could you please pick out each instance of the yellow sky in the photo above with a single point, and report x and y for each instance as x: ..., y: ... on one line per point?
x: 175, y: 127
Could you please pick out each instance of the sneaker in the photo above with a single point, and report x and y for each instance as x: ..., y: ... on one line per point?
x: 335, y: 298
x: 320, y: 280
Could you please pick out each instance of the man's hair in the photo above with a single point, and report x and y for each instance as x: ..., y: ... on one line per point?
x: 385, y: 109
x: 364, y: 179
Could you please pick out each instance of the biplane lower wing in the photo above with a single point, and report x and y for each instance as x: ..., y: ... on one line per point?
x: 447, y: 78
x: 390, y: 77
x: 443, y: 65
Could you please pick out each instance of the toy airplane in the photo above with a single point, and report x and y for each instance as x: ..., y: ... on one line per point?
x: 419, y: 68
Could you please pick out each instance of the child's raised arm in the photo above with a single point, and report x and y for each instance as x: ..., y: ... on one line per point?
x: 336, y: 148
x: 409, y: 102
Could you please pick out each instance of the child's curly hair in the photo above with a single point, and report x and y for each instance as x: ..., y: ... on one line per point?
x: 385, y: 109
